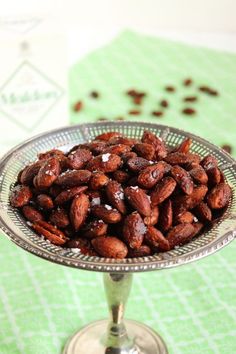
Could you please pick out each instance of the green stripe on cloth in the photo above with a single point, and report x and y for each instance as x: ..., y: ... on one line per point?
x: 149, y: 64
x: 194, y: 306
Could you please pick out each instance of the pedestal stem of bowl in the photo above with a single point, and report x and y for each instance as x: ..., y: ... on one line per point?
x: 117, y: 289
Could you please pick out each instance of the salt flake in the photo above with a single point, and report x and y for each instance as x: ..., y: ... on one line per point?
x: 134, y: 187
x: 96, y: 201
x: 105, y: 157
x: 49, y: 173
x: 75, y: 250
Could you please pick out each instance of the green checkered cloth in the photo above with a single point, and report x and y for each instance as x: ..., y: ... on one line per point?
x: 194, y: 306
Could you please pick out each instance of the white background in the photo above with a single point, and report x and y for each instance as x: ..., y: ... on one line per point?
x: 213, y: 15
x: 92, y: 23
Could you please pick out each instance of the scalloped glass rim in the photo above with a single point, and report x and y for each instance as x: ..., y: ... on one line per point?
x: 15, y: 227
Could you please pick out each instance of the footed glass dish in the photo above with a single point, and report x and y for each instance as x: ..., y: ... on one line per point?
x: 116, y: 335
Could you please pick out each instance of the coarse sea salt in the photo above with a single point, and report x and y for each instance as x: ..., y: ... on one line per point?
x: 75, y: 250
x: 105, y: 157
x: 96, y: 201
x: 49, y: 173
x: 119, y: 195
x: 108, y: 207
x: 195, y: 219
x: 65, y: 172
x: 143, y: 229
x: 134, y: 187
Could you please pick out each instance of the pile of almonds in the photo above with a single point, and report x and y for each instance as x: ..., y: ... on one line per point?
x: 119, y: 197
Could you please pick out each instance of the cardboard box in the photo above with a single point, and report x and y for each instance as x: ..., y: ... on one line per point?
x: 33, y: 78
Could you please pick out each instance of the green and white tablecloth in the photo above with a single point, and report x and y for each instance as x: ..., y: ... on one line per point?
x: 194, y: 306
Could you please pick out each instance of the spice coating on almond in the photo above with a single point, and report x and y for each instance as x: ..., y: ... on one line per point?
x: 138, y: 199
x: 134, y: 230
x: 79, y: 210
x: 110, y: 247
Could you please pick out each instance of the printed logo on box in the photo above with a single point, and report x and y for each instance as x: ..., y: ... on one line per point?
x: 27, y: 96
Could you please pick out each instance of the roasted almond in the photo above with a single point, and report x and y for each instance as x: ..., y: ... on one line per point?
x: 180, y: 234
x: 51, y: 153
x: 214, y: 176
x: 163, y: 190
x: 166, y: 216
x: 153, y: 218
x: 203, y: 212
x: 115, y: 195
x: 107, y: 136
x: 59, y: 218
x: 122, y: 140
x: 96, y: 147
x: 134, y: 230
x: 68, y: 194
x: 128, y: 155
x: 32, y: 214
x: 155, y: 238
x: 77, y: 159
x: 48, y: 173
x: 199, y: 175
x: 29, y: 172
x: 150, y: 175
x: 83, y: 245
x: 73, y: 178
x: 185, y: 202
x: 160, y: 149
x: 145, y: 150
x: 20, y: 196
x: 184, y: 147
x: 108, y: 214
x: 51, y: 233
x: 198, y: 226
x: 185, y: 217
x: 208, y: 162
x: 219, y: 196
x: 183, y: 179
x: 98, y: 180
x: 179, y: 158
x: 45, y: 201
x: 117, y: 149
x: 121, y: 176
x: 79, y: 210
x: 138, y: 199
x: 137, y: 164
x: 95, y: 228
x: 54, y: 190
x: 110, y: 247
x: 105, y: 163
x: 142, y: 251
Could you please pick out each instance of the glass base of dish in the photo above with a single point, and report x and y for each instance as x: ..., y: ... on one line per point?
x: 88, y: 340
